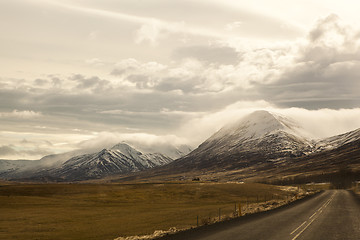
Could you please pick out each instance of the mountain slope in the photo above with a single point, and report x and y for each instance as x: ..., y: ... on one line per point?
x: 262, y: 146
x: 166, y: 148
x: 338, y: 141
x: 320, y: 166
x: 120, y: 159
x: 26, y: 168
x: 259, y: 137
x: 11, y: 166
x: 85, y: 164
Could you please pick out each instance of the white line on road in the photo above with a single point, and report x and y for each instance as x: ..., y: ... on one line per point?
x: 314, y: 216
x: 297, y: 235
x: 297, y: 228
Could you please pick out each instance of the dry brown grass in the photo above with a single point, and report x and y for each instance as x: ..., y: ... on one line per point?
x: 107, y: 211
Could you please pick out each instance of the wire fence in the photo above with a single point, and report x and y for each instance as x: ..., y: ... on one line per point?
x: 244, y: 206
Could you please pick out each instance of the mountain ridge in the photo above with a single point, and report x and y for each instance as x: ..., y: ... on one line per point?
x: 118, y: 159
x: 245, y: 150
x: 258, y: 145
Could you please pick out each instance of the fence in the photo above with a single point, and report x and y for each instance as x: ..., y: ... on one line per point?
x: 245, y: 206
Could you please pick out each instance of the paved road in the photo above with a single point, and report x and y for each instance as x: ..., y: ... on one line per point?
x: 330, y: 215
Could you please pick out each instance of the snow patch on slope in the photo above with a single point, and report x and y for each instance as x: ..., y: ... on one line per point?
x: 337, y: 141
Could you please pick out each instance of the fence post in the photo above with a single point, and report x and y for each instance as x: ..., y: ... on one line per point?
x: 219, y: 214
x: 197, y: 220
x: 239, y: 209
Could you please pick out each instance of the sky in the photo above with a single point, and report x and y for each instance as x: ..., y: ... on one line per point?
x: 86, y: 73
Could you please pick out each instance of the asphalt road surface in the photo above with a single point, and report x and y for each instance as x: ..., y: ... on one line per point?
x: 333, y: 214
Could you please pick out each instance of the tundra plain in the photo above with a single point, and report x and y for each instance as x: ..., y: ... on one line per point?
x: 107, y: 211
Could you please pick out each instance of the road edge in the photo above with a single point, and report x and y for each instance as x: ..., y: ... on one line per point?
x: 181, y: 235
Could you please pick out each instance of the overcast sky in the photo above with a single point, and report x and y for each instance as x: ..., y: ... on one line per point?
x: 80, y: 73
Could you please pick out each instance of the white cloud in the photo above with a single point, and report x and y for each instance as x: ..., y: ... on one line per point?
x: 325, y: 122
x: 26, y: 114
x: 36, y: 143
x: 200, y: 127
x: 233, y: 25
x: 192, y: 75
x: 319, y: 123
x: 150, y: 26
x: 93, y: 35
x: 13, y: 152
x: 204, y: 82
x: 146, y: 140
x: 133, y: 66
x: 95, y: 62
x: 150, y: 32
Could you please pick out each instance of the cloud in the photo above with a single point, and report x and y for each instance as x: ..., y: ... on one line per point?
x: 93, y: 35
x: 139, y: 140
x: 233, y: 25
x: 325, y: 122
x: 301, y: 74
x: 7, y: 150
x: 202, y: 126
x: 138, y: 91
x: 202, y: 85
x: 26, y: 114
x: 95, y: 62
x: 320, y: 123
x: 150, y: 28
x: 94, y: 83
x: 149, y: 32
x: 138, y: 74
x: 324, y: 71
x: 190, y: 75
x: 40, y: 82
x: 212, y: 54
x: 132, y: 66
x: 11, y: 152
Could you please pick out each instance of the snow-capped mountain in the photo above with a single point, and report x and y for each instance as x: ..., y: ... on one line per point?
x: 120, y: 159
x: 87, y: 164
x: 260, y: 136
x: 257, y: 125
x: 262, y: 144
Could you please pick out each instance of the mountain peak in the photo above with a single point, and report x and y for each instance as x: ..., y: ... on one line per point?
x: 125, y: 149
x: 257, y: 125
x: 261, y: 113
x: 121, y: 145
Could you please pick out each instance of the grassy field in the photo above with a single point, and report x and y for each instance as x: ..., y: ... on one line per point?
x: 107, y: 211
